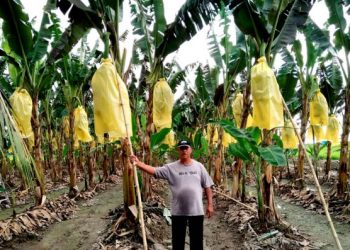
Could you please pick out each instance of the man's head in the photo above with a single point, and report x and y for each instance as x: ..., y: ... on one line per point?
x: 184, y: 149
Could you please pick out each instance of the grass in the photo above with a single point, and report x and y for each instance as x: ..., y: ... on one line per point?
x: 335, y: 153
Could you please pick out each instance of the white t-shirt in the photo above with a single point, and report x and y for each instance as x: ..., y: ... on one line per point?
x: 186, y: 185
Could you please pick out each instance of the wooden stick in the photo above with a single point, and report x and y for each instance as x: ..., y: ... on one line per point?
x: 240, y: 203
x: 136, y: 179
x: 325, y: 207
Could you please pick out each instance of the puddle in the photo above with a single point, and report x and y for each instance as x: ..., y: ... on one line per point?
x: 315, y: 225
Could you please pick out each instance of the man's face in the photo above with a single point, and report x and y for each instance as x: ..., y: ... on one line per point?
x: 184, y: 152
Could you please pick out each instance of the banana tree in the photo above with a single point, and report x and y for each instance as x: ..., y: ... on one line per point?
x: 272, y: 25
x: 337, y: 18
x: 331, y: 85
x: 27, y: 51
x: 232, y: 62
x: 248, y: 149
x: 76, y: 73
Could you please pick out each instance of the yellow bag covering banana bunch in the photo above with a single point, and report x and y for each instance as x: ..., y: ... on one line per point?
x: 109, y: 94
x: 318, y: 109
x: 210, y: 128
x: 163, y: 102
x: 316, y: 131
x: 66, y: 126
x: 227, y: 139
x: 332, y: 133
x: 170, y: 139
x: 268, y: 106
x: 289, y: 138
x: 22, y: 106
x: 81, y: 125
x: 237, y: 107
x: 249, y: 121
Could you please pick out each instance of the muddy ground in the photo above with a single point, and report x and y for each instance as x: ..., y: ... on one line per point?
x: 87, y: 229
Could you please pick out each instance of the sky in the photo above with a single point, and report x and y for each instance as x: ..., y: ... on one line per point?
x: 192, y: 51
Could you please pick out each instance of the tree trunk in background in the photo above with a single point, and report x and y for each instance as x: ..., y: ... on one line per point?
x: 328, y: 161
x: 237, y: 167
x: 211, y: 149
x: 218, y: 160
x: 60, y: 155
x: 343, y: 160
x: 146, y: 178
x: 128, y: 180
x: 91, y: 159
x: 73, y: 188
x: 105, y: 163
x: 301, y: 157
x: 37, y: 148
x: 114, y: 158
x: 270, y: 212
x: 52, y: 164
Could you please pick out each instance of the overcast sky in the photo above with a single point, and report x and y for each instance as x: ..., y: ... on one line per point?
x: 190, y: 52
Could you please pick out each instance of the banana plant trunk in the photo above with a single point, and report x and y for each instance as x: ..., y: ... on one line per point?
x: 343, y: 160
x: 301, y: 156
x: 105, y: 163
x: 37, y: 148
x: 211, y: 150
x: 218, y: 160
x: 328, y: 161
x: 270, y: 215
x: 91, y: 166
x: 146, y: 180
x: 73, y: 188
x: 52, y: 164
x: 60, y: 154
x: 238, y: 163
x: 128, y: 180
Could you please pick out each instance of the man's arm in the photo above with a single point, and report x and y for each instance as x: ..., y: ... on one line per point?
x: 210, y: 208
x: 144, y: 167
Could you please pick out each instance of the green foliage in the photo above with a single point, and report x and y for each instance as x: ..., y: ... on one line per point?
x: 246, y: 146
x: 273, y: 154
x: 191, y: 18
x: 157, y: 138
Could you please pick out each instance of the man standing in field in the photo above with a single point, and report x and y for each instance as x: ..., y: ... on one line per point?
x: 187, y: 179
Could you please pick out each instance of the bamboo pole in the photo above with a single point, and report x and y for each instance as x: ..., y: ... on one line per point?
x: 141, y: 220
x: 240, y: 203
x: 325, y: 207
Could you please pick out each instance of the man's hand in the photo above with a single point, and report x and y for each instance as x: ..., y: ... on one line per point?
x: 210, y: 210
x: 134, y: 159
x: 148, y: 169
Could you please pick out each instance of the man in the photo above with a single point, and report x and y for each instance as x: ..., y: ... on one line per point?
x: 187, y: 178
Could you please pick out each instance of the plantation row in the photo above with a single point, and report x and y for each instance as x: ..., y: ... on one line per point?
x: 74, y: 110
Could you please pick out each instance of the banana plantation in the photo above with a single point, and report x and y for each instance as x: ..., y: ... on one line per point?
x: 267, y: 114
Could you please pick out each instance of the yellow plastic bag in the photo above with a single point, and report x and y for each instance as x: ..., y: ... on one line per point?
x: 289, y: 138
x: 332, y: 133
x: 210, y: 129
x: 170, y: 139
x: 109, y: 94
x: 227, y: 139
x: 22, y: 106
x: 268, y: 106
x: 163, y: 102
x: 318, y: 109
x: 237, y: 107
x: 316, y: 131
x: 249, y: 121
x: 81, y: 125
